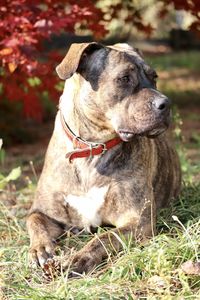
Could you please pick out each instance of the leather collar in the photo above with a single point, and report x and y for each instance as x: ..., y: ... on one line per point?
x: 84, y: 148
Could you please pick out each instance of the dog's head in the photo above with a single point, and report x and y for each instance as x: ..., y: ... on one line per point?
x: 117, y: 89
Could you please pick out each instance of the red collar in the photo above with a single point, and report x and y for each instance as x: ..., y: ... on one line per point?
x: 84, y: 148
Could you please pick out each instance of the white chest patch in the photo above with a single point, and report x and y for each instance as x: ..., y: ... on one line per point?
x: 88, y: 206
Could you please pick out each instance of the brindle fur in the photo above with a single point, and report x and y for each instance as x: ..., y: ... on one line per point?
x: 140, y: 175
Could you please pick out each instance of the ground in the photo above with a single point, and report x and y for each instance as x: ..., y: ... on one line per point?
x: 151, y: 271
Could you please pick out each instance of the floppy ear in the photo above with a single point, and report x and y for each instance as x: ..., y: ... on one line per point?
x: 70, y: 62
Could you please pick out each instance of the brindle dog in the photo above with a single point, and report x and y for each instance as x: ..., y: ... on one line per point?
x: 110, y: 94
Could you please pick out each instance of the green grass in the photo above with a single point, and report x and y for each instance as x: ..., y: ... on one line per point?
x: 180, y: 59
x: 150, y: 271
x: 183, y: 99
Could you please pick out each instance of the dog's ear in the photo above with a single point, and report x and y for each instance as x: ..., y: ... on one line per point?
x: 70, y: 62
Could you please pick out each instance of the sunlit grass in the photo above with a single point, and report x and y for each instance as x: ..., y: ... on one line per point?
x: 181, y: 59
x: 149, y: 270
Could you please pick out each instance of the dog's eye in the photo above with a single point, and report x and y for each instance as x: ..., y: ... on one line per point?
x: 152, y: 76
x: 124, y: 79
x: 155, y: 76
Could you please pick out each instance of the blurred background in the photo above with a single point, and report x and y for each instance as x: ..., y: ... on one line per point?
x: 34, y: 36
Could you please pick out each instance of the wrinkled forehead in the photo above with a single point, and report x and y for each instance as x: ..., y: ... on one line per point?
x: 124, y: 55
x: 125, y: 48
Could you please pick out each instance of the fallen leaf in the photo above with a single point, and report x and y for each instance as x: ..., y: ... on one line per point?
x: 191, y: 268
x: 12, y: 67
x: 14, y: 174
x: 157, y: 282
x: 6, y: 51
x: 51, y: 268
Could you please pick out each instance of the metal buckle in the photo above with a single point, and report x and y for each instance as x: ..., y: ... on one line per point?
x: 90, y: 145
x: 96, y: 145
x: 104, y: 148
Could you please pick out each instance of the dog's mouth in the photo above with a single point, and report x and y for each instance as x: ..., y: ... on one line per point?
x: 127, y: 135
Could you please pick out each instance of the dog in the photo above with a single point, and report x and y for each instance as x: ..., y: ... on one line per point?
x: 109, y: 161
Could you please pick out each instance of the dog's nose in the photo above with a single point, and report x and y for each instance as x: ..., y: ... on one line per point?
x: 161, y: 104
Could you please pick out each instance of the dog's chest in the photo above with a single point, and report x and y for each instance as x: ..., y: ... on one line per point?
x: 88, y: 206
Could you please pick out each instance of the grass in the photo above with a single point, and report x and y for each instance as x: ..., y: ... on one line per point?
x: 151, y: 271
x: 181, y: 59
x: 147, y: 272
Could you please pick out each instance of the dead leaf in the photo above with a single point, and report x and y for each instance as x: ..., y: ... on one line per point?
x: 6, y: 51
x: 157, y: 282
x: 191, y: 268
x: 12, y: 67
x: 51, y: 268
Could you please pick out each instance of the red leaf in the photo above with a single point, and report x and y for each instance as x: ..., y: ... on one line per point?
x: 32, y: 106
x: 191, y: 268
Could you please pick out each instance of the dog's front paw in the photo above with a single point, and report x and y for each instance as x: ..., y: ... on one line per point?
x: 84, y: 262
x: 41, y: 252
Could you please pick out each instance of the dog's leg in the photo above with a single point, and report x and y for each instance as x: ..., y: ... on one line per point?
x: 42, y: 231
x: 112, y: 241
x: 99, y: 248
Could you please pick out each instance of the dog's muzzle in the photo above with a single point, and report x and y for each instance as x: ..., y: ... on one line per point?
x: 156, y: 123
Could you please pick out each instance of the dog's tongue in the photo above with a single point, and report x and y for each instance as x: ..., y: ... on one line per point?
x: 126, y: 136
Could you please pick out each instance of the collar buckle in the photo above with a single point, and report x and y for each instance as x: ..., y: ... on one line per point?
x: 83, y: 148
x: 104, y: 148
x: 95, y: 146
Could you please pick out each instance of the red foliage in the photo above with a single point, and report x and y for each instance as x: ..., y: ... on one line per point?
x: 25, y: 24
x: 193, y: 6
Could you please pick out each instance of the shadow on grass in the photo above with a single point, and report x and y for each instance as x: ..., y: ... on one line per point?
x: 186, y: 208
x: 177, y: 59
x: 183, y: 99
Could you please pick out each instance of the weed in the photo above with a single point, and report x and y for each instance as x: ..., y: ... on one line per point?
x: 12, y: 176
